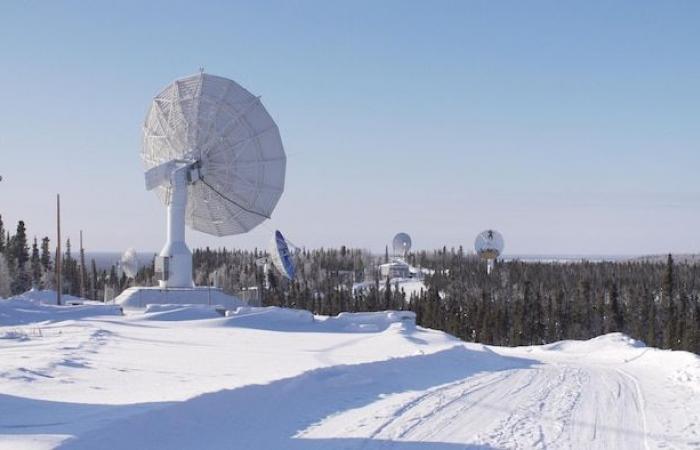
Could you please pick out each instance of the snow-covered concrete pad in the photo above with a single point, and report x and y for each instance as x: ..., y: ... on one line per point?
x: 183, y: 377
x: 138, y: 298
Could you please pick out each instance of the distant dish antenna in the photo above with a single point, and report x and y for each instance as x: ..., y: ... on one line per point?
x: 401, y: 244
x: 280, y: 257
x: 214, y: 156
x: 489, y: 246
x: 129, y: 263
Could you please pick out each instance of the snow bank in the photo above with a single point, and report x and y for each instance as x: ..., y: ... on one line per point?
x: 270, y: 317
x: 179, y: 312
x: 46, y: 296
x: 286, y: 319
x: 680, y: 367
x: 18, y: 335
x: 608, y: 342
x: 21, y: 311
x: 371, y: 321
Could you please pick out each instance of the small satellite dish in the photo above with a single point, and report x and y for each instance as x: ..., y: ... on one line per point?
x: 489, y: 246
x: 401, y: 244
x: 214, y: 156
x: 281, y: 256
x: 129, y: 263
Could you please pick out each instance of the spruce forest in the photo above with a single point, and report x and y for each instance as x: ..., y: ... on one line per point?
x: 519, y: 303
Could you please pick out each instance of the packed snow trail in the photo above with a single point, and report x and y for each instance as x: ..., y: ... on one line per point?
x: 184, y: 378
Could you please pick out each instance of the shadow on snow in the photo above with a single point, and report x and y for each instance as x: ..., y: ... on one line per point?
x: 270, y: 416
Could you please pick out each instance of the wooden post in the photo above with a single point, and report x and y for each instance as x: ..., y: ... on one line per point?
x: 59, y: 256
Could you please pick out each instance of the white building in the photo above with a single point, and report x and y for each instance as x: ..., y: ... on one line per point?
x: 395, y: 269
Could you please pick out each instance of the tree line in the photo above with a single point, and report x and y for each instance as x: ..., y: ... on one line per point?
x: 519, y: 303
x: 24, y: 266
x: 536, y: 303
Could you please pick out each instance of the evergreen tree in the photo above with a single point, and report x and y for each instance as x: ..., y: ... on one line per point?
x: 35, y: 263
x: 651, y: 324
x: 614, y: 319
x: 2, y: 236
x: 93, y: 280
x: 5, y: 279
x: 45, y: 254
x: 387, y: 294
x: 669, y: 308
x: 520, y: 323
x: 19, y: 252
x: 20, y: 248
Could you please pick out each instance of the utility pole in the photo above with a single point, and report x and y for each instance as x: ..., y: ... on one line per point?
x: 59, y: 272
x: 82, y: 267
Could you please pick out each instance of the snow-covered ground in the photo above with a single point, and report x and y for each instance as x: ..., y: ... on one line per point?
x: 186, y: 378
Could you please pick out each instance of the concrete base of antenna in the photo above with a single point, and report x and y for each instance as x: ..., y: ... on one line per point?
x: 137, y: 298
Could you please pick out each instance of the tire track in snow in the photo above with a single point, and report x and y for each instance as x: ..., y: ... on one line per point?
x: 412, y: 412
x: 554, y: 394
x: 466, y: 404
x: 641, y: 404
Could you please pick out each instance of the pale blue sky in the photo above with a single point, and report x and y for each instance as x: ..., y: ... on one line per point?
x: 572, y: 127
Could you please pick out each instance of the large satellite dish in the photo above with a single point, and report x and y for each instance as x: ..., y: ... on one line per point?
x: 129, y: 263
x: 214, y: 156
x: 489, y: 246
x: 401, y: 244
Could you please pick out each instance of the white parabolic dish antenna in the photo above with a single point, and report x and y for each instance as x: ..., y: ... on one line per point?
x: 489, y: 246
x: 401, y: 244
x: 281, y: 256
x: 129, y: 263
x: 215, y: 157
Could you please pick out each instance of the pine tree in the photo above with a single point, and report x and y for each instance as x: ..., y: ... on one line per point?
x: 539, y: 325
x: 45, y: 254
x: 614, y: 320
x: 93, y: 280
x: 682, y: 323
x: 20, y: 248
x: 35, y: 262
x: 669, y: 310
x: 20, y: 255
x: 2, y: 236
x: 387, y: 294
x: 563, y: 315
x: 582, y: 311
x: 597, y: 324
x: 519, y: 334
x: 651, y: 324
x: 5, y: 280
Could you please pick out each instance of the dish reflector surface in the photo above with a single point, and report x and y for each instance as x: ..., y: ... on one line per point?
x: 130, y: 263
x: 489, y: 244
x: 281, y: 256
x: 233, y: 144
x: 401, y: 244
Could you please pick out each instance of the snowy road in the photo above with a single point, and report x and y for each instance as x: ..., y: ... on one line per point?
x: 555, y: 402
x: 278, y: 381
